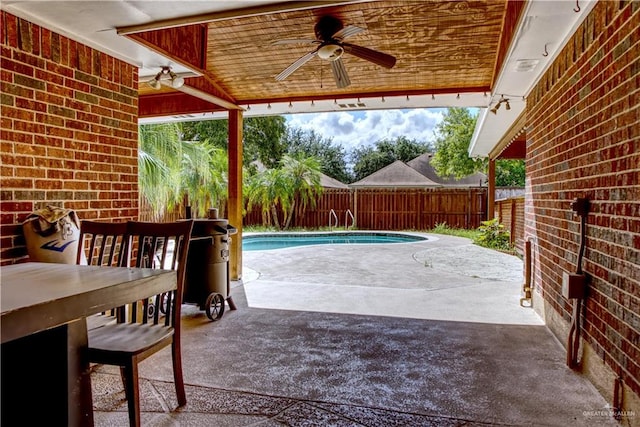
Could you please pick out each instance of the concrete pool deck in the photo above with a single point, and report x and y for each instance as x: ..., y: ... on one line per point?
x: 443, y: 278
x: 419, y: 334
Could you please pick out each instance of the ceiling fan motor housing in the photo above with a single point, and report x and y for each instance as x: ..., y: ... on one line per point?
x: 326, y: 27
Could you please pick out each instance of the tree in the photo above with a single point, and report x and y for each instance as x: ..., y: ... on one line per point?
x: 214, y: 131
x: 171, y: 169
x: 453, y: 136
x: 303, y: 174
x: 290, y: 188
x: 510, y: 173
x: 262, y: 137
x: 367, y: 160
x: 159, y: 155
x: 310, y: 144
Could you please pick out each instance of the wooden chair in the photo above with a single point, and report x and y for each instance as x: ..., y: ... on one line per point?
x: 150, y: 325
x: 102, y: 244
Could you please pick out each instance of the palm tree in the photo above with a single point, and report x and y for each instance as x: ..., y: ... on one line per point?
x: 158, y: 154
x: 304, y: 176
x: 289, y: 189
x: 172, y: 170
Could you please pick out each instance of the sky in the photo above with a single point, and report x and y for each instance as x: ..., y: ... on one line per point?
x: 358, y: 128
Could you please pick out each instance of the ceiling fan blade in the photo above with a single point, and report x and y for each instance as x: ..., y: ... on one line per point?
x: 340, y: 73
x: 348, y: 31
x: 293, y: 67
x: 294, y: 41
x: 379, y: 58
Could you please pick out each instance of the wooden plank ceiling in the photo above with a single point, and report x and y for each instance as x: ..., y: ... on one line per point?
x: 441, y: 46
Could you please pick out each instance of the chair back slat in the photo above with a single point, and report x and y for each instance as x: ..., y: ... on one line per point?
x: 160, y: 246
x: 102, y: 243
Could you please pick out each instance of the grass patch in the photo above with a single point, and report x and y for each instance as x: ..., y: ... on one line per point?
x: 444, y: 228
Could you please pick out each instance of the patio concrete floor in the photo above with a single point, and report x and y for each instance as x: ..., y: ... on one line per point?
x: 419, y: 334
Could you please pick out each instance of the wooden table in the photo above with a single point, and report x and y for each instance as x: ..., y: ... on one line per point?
x: 45, y: 369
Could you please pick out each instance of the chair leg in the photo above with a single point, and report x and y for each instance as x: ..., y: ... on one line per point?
x: 132, y: 391
x: 177, y: 374
x: 123, y: 377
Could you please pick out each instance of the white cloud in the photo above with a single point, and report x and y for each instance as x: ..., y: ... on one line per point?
x: 354, y: 129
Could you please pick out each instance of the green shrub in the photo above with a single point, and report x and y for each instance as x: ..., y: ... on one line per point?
x: 491, y: 234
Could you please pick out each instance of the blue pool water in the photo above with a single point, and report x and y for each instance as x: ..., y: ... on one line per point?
x: 263, y: 242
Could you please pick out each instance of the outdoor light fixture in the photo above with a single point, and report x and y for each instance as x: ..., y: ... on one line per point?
x: 502, y: 100
x: 166, y: 74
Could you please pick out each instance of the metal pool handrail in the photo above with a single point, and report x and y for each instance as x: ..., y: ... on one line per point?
x: 348, y: 214
x: 332, y: 214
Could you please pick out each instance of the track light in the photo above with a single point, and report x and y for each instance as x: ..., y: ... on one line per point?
x: 269, y: 106
x: 166, y: 74
x: 495, y: 108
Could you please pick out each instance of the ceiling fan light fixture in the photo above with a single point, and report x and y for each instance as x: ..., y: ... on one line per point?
x: 330, y: 52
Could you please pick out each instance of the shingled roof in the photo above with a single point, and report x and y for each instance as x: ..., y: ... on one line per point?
x: 327, y: 182
x: 397, y: 174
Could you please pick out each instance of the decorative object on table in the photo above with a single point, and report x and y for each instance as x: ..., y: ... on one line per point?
x: 52, y: 234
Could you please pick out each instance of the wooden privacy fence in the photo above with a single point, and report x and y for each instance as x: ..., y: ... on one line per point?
x: 380, y: 209
x: 393, y: 209
x: 510, y: 213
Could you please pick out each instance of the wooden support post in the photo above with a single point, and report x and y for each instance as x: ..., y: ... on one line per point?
x: 235, y: 191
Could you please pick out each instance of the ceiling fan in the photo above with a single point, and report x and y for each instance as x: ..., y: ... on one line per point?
x: 330, y: 33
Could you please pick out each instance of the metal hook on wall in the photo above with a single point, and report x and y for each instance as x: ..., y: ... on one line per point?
x: 546, y: 52
x: 577, y: 8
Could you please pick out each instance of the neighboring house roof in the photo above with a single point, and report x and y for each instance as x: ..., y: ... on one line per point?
x: 327, y: 182
x: 422, y: 164
x: 397, y: 174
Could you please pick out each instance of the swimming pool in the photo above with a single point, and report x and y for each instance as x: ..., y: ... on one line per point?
x: 261, y: 242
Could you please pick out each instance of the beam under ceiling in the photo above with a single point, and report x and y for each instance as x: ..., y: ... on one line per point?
x: 234, y: 13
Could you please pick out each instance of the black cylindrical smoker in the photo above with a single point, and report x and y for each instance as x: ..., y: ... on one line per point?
x: 207, y: 276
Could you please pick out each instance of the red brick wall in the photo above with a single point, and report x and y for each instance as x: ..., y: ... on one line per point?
x: 510, y: 213
x: 69, y: 130
x: 584, y: 141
